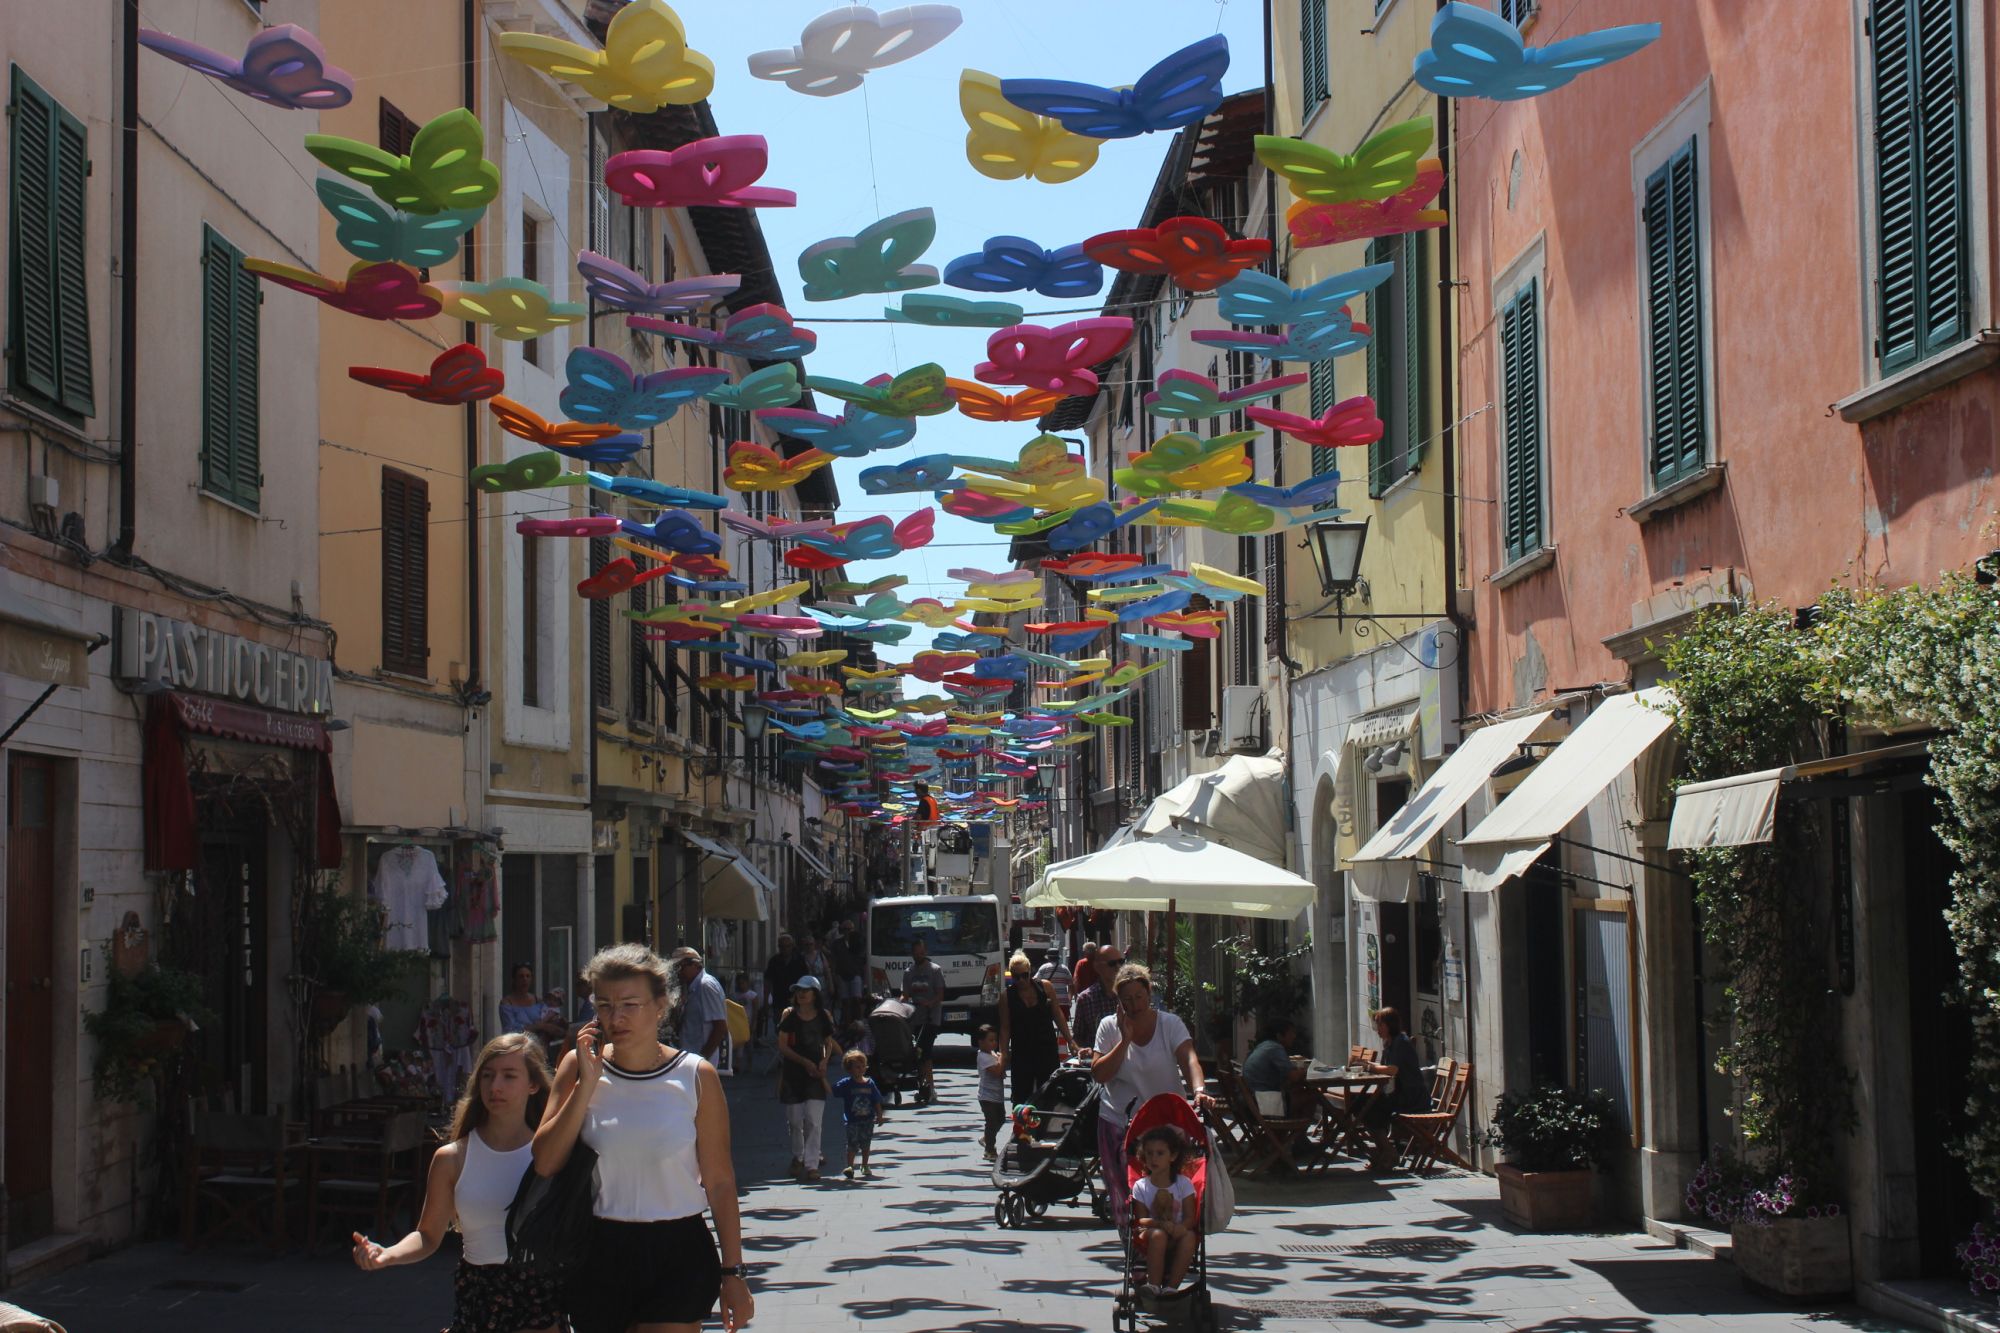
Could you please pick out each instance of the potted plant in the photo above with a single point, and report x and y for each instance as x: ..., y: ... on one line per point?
x: 1551, y: 1139
x: 1981, y: 1256
x: 1781, y: 1240
x: 341, y: 952
x: 145, y: 1019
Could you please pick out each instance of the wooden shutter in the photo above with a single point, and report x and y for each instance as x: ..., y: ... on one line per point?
x: 1920, y: 178
x: 641, y: 679
x: 1197, y: 686
x: 1414, y: 398
x: 230, y: 464
x: 245, y: 409
x: 1673, y: 319
x: 1379, y: 380
x: 49, y: 309
x: 1522, y: 423
x: 1321, y: 387
x: 600, y: 630
x: 406, y: 512
x: 1312, y: 55
x: 394, y: 130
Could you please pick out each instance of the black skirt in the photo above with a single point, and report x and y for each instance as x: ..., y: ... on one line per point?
x: 503, y: 1298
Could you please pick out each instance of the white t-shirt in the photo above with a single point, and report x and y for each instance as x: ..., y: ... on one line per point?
x: 407, y: 883
x: 1144, y: 1191
x: 990, y: 1087
x: 642, y: 1127
x: 1148, y: 1070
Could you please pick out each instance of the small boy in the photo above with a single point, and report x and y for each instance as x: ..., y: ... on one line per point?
x: 992, y: 1096
x: 860, y: 1110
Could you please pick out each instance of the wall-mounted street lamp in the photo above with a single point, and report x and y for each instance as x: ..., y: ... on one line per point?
x: 1336, y: 546
x: 755, y: 718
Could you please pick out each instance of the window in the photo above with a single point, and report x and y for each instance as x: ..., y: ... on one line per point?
x: 1923, y: 246
x: 406, y: 597
x: 230, y: 301
x: 600, y: 630
x: 396, y: 131
x: 641, y: 599
x: 1312, y: 56
x: 48, y: 308
x: 532, y: 578
x: 1517, y: 12
x: 1321, y: 386
x: 1521, y: 423
x: 1676, y: 419
x: 531, y: 269
x: 1396, y: 361
x: 1197, y: 685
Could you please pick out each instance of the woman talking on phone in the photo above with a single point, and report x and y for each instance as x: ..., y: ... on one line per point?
x: 656, y: 1119
x: 1141, y: 1053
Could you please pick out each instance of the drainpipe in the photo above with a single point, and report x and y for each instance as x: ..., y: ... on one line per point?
x: 128, y: 287
x: 1448, y: 403
x: 468, y: 60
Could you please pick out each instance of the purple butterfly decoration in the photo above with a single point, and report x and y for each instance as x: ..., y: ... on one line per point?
x: 759, y: 333
x: 282, y: 66
x: 676, y: 532
x: 613, y: 285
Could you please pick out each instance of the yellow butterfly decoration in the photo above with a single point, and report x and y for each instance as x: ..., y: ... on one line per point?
x: 861, y: 673
x: 873, y: 714
x: 671, y: 612
x: 757, y: 601
x: 978, y: 719
x: 1004, y: 592
x: 645, y: 64
x: 807, y: 661
x: 807, y: 685
x: 997, y: 606
x: 1044, y: 458
x: 514, y: 308
x: 957, y: 730
x: 925, y: 703
x: 1077, y: 739
x: 1104, y: 719
x: 725, y: 681
x: 1216, y: 578
x: 929, y: 611
x: 757, y: 467
x: 1006, y: 143
x: 1063, y: 492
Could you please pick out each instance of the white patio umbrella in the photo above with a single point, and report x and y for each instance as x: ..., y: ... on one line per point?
x: 1240, y: 805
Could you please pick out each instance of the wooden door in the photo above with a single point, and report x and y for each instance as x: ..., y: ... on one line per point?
x: 30, y: 996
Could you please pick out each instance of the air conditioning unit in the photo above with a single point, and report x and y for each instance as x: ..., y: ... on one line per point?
x: 1243, y: 718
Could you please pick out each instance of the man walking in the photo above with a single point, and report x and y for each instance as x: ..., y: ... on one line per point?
x: 850, y: 964
x: 923, y: 982
x: 704, y: 1008
x: 781, y: 973
x: 1100, y: 999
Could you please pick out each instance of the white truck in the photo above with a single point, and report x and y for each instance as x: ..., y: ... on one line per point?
x: 967, y: 938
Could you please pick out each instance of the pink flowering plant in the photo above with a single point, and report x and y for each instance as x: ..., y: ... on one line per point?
x: 1725, y: 1192
x: 1981, y: 1257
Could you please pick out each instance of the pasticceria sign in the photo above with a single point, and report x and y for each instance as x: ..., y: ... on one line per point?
x: 153, y: 649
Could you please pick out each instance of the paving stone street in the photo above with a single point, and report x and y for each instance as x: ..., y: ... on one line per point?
x: 916, y: 1251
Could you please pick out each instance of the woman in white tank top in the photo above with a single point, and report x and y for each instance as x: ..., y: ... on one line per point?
x: 473, y: 1179
x: 656, y: 1119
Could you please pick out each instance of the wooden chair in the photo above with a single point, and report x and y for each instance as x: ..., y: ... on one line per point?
x: 238, y: 1168
x: 1225, y: 1122
x: 1267, y: 1140
x: 366, y: 1179
x: 1428, y: 1132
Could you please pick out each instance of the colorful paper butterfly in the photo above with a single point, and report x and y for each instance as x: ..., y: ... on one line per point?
x: 1302, y: 342
x: 1093, y: 523
x: 980, y: 403
x: 1163, y: 642
x: 1314, y: 490
x: 659, y: 493
x: 1383, y: 165
x: 617, y: 287
x: 773, y: 386
x: 607, y: 452
x: 1262, y: 300
x: 853, y: 434
x: 675, y: 532
x: 877, y: 259
x: 921, y: 391
x: 1476, y: 53
x: 372, y: 232
x: 757, y: 467
x: 603, y: 390
x: 1181, y: 90
x: 1405, y: 211
x: 1056, y: 360
x: 1184, y: 395
x: 717, y: 172
x: 373, y: 291
x: 932, y: 472
x: 952, y: 312
x: 596, y: 525
x: 983, y: 508
x: 874, y: 538
x: 1232, y: 515
x: 523, y: 421
x: 282, y: 66
x: 620, y: 575
x: 458, y: 375
x: 645, y: 64
x: 1016, y: 264
x: 1184, y: 462
x: 1351, y: 421
x: 529, y: 472
x: 446, y: 167
x: 762, y: 332
x: 841, y: 46
x: 514, y: 308
x: 1005, y: 142
x: 1196, y: 253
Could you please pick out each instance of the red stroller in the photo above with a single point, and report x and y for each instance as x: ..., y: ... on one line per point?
x: 1190, y: 1303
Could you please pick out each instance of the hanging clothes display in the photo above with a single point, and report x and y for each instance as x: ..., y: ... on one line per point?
x: 478, y: 893
x: 444, y: 1031
x: 408, y: 886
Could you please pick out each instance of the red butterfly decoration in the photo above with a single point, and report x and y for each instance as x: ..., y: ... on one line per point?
x: 373, y: 291
x: 810, y: 557
x: 620, y: 575
x: 1196, y: 253
x: 458, y: 375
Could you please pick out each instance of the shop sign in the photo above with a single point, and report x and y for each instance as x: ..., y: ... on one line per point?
x: 39, y: 654
x: 151, y: 649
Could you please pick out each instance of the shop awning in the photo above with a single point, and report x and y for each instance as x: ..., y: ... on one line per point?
x: 732, y: 887
x: 1384, y: 870
x: 1240, y: 805
x: 39, y: 645
x: 1535, y: 813
x: 1178, y: 869
x: 173, y: 838
x: 1384, y: 728
x: 813, y: 863
x: 1733, y: 811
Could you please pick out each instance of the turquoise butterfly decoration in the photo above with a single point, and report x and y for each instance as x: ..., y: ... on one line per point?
x: 880, y: 258
x: 773, y: 386
x: 370, y: 230
x: 955, y: 312
x: 1260, y: 299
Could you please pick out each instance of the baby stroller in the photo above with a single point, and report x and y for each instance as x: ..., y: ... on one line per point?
x: 898, y: 1065
x: 1190, y: 1302
x: 1052, y: 1156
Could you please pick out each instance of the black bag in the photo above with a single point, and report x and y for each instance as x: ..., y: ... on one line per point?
x: 549, y: 1222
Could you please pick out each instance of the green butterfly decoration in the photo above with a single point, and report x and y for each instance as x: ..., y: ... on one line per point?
x: 877, y: 259
x: 445, y: 170
x: 1232, y: 514
x: 920, y: 391
x: 529, y: 472
x: 1185, y: 462
x: 1104, y: 719
x: 1384, y: 165
x: 773, y: 386
x: 375, y: 233
x: 953, y: 312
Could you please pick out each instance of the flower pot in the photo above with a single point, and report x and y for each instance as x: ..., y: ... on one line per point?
x: 169, y: 1034
x: 1802, y: 1258
x: 1547, y: 1200
x: 329, y: 1010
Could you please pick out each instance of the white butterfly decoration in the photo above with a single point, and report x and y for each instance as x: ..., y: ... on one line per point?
x: 841, y: 46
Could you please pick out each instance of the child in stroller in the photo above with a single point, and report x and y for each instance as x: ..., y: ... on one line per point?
x: 1166, y: 1161
x: 1052, y: 1156
x: 897, y: 1060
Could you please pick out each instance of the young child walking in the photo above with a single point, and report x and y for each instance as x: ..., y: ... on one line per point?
x: 992, y: 1088
x: 1163, y: 1208
x: 860, y: 1110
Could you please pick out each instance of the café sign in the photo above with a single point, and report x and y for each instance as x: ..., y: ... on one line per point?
x: 151, y: 649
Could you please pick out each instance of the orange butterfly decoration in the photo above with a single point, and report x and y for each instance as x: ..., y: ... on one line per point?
x: 757, y: 467
x: 519, y: 419
x: 981, y: 403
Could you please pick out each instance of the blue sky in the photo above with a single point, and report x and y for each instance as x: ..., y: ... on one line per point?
x: 899, y: 143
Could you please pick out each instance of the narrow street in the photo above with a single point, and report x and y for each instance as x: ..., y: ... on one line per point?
x: 916, y: 1251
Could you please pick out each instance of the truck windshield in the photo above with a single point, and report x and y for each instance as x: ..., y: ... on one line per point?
x: 954, y: 928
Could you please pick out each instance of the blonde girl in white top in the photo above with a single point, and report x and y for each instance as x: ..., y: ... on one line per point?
x: 472, y: 1180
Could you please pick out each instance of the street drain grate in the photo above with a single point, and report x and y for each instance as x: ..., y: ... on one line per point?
x: 1414, y: 1247
x: 1327, y: 1310
x: 1314, y: 1249
x: 202, y: 1284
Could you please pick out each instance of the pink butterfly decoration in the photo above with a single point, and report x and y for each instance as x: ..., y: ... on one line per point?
x: 787, y: 627
x: 1058, y: 359
x: 776, y: 531
x: 613, y: 285
x: 595, y: 525
x: 980, y: 506
x: 373, y: 291
x: 1329, y: 224
x: 714, y: 173
x: 282, y: 66
x: 1350, y: 421
x: 917, y: 530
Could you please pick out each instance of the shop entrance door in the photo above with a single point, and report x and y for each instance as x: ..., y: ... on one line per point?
x: 230, y: 900
x: 31, y: 958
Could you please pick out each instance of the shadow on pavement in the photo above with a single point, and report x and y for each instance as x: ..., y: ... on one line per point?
x: 1683, y: 1286
x: 991, y: 1248
x: 883, y: 1261
x: 904, y: 1306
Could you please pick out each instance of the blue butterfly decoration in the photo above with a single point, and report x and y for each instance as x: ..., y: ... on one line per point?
x: 1214, y: 594
x: 853, y: 434
x: 1155, y: 606
x: 607, y: 452
x: 864, y: 541
x: 1311, y: 491
x: 1132, y: 574
x: 1476, y: 53
x: 932, y: 472
x: 760, y: 664
x: 966, y: 643
x: 602, y: 390
x: 647, y: 491
x: 1008, y: 666
x: 697, y: 585
x: 676, y: 532
x: 1016, y: 264
x: 1259, y: 299
x: 1181, y: 90
x: 1065, y: 644
x: 1093, y: 522
x: 1338, y: 336
x: 1166, y: 642
x: 880, y: 633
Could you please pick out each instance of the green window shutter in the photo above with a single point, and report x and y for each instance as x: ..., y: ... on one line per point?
x: 1675, y: 373
x: 231, y: 465
x: 1522, y: 425
x: 1920, y: 178
x: 48, y: 307
x: 246, y: 458
x: 1415, y: 419
x: 1312, y: 55
x: 1378, y: 252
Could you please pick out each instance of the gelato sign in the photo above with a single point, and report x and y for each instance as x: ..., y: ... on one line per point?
x: 172, y: 654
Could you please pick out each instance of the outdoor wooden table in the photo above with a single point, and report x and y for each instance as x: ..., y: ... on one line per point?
x: 1343, y: 1120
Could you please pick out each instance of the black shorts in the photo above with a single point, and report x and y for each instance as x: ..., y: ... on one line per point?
x: 503, y: 1298
x: 646, y: 1273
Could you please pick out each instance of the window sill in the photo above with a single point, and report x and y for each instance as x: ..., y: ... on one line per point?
x: 1677, y: 493
x: 1534, y: 562
x: 396, y: 677
x: 227, y: 503
x: 1907, y: 385
x: 1406, y: 482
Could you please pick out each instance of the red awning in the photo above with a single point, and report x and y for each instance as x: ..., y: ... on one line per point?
x: 173, y: 839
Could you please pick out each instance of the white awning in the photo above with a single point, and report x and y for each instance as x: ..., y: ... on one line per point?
x: 1733, y: 811
x: 1190, y: 873
x: 1535, y: 813
x: 812, y: 861
x: 707, y: 844
x: 1384, y: 870
x: 1240, y: 805
x: 1384, y: 727
x: 732, y: 887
